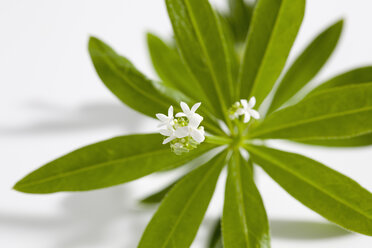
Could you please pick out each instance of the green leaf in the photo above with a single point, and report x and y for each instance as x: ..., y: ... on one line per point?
x: 230, y: 48
x: 215, y: 240
x: 362, y: 140
x: 357, y: 76
x: 240, y: 14
x: 244, y: 221
x: 158, y: 196
x: 200, y: 39
x: 125, y: 81
x: 307, y: 65
x: 327, y: 192
x: 134, y: 89
x: 336, y: 113
x: 171, y: 69
x: 107, y: 163
x: 177, y: 220
x: 273, y: 29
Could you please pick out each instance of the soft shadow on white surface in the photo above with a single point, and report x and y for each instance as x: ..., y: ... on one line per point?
x: 89, y: 116
x: 87, y: 219
x: 91, y: 219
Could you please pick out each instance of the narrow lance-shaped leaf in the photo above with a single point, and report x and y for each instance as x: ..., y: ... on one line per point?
x: 307, y: 65
x: 357, y: 76
x: 273, y: 29
x: 336, y: 113
x: 133, y: 88
x: 240, y: 14
x: 180, y: 214
x: 125, y: 81
x: 171, y: 69
x: 244, y: 221
x: 202, y: 45
x: 361, y: 140
x: 230, y: 48
x: 107, y: 163
x: 327, y: 192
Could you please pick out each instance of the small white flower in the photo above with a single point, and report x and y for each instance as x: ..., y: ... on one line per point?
x: 169, y: 132
x: 245, y: 108
x: 183, y: 132
x: 248, y: 110
x: 193, y: 130
x: 166, y: 121
x: 190, y: 114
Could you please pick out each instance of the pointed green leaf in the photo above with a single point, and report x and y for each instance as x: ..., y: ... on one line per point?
x: 307, y: 65
x: 107, y: 163
x: 244, y: 221
x: 357, y: 76
x: 125, y: 81
x: 177, y: 220
x: 327, y: 192
x: 362, y: 140
x: 134, y: 89
x: 273, y: 29
x: 200, y: 39
x: 336, y: 113
x: 171, y: 69
x: 230, y: 48
x: 240, y: 14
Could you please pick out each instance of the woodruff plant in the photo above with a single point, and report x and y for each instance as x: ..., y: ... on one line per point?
x: 226, y: 85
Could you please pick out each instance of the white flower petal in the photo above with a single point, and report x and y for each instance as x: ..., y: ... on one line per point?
x: 240, y: 111
x: 170, y: 112
x: 169, y: 139
x: 195, y: 107
x: 201, y: 129
x: 244, y: 103
x: 254, y: 114
x: 162, y: 117
x: 166, y: 132
x: 247, y: 117
x: 252, y: 102
x: 181, y: 132
x: 197, y: 135
x: 180, y: 114
x: 185, y: 108
x: 195, y: 120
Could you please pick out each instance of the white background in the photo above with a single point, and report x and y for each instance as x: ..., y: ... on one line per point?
x: 51, y: 101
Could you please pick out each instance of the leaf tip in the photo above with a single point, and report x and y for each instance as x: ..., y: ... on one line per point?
x: 92, y: 40
x: 18, y: 187
x: 150, y: 36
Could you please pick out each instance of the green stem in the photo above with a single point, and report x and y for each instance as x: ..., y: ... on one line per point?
x: 217, y: 140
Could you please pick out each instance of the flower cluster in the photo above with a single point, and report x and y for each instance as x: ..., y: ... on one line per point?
x: 244, y: 108
x: 183, y: 132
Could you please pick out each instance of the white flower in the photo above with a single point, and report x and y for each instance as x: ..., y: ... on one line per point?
x: 169, y: 132
x: 190, y: 114
x: 247, y: 109
x: 183, y: 132
x: 166, y: 121
x: 193, y: 130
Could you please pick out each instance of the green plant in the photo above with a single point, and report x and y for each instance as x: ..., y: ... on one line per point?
x: 207, y: 65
